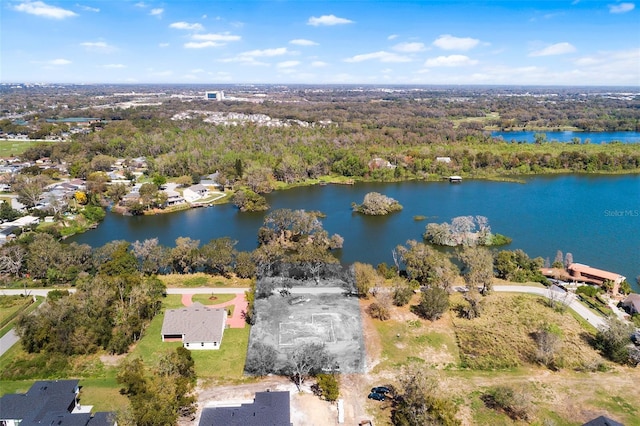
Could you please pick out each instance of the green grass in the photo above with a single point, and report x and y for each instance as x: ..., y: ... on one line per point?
x: 203, y: 280
x: 10, y: 306
x: 102, y: 393
x: 624, y: 409
x: 403, y: 342
x: 10, y: 148
x: 223, y: 365
x: 27, y: 309
x: 205, y: 299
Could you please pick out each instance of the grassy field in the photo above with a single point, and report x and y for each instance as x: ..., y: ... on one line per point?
x: 203, y: 280
x: 9, y: 148
x: 470, y: 357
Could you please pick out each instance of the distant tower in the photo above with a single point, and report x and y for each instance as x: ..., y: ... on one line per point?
x: 214, y: 96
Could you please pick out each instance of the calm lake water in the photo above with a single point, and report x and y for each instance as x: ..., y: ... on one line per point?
x: 596, y: 218
x: 593, y: 137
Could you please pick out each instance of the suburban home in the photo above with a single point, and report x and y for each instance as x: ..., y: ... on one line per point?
x: 602, y: 421
x: 50, y: 402
x: 195, y: 192
x: 173, y: 197
x: 196, y: 326
x: 380, y: 163
x: 580, y: 272
x: 267, y: 409
x: 632, y: 303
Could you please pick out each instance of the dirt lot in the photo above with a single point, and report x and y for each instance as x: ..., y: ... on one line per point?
x: 331, y: 319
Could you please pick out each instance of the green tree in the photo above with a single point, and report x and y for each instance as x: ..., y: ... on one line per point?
x: 433, y: 303
x: 478, y: 267
x: 328, y: 386
x: 219, y: 255
x: 614, y: 339
x: 366, y: 277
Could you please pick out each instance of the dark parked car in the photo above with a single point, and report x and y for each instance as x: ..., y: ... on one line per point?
x: 381, y: 389
x: 377, y: 396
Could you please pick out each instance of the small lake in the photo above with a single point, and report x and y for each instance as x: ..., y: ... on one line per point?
x: 592, y: 137
x: 596, y: 218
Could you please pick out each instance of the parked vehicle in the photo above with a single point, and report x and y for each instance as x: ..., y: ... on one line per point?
x: 377, y: 396
x: 381, y: 389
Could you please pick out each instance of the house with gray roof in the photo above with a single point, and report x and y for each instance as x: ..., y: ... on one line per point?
x: 632, y: 303
x: 196, y: 326
x: 50, y: 402
x: 267, y: 409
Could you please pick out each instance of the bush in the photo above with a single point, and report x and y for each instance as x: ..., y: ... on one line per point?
x: 328, y: 386
x: 378, y: 311
x: 94, y: 213
x: 376, y: 204
x: 515, y: 402
x: 433, y: 303
x: 614, y: 339
x: 402, y: 296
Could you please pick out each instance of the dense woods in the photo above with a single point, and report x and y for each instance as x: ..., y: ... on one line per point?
x: 393, y: 135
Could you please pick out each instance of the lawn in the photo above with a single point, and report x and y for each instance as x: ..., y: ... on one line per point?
x: 10, y: 148
x: 223, y: 365
x: 203, y: 280
x: 212, y: 299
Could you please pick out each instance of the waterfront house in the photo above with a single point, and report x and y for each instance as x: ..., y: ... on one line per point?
x: 267, y: 409
x: 586, y: 273
x: 632, y: 303
x: 455, y: 179
x: 195, y: 193
x: 196, y: 326
x: 173, y: 198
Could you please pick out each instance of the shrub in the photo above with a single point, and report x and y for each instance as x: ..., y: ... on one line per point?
x: 515, y: 402
x: 433, y: 303
x: 378, y: 311
x: 402, y: 296
x: 328, y: 386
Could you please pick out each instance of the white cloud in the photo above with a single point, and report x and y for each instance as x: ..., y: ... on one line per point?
x: 409, y: 47
x: 186, y: 26
x: 382, y: 56
x: 114, y: 66
x: 88, y: 8
x: 249, y: 57
x: 288, y: 64
x: 450, y: 61
x: 318, y: 64
x: 59, y: 62
x: 554, y: 49
x: 279, y: 51
x: 39, y: 8
x: 328, y: 20
x: 141, y: 4
x: 621, y: 7
x: 303, y: 42
x: 449, y: 42
x: 156, y: 12
x: 97, y: 46
x: 216, y: 37
x: 392, y: 37
x: 163, y: 44
x: 202, y: 44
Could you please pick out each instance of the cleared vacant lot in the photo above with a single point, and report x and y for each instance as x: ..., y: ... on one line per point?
x: 331, y: 319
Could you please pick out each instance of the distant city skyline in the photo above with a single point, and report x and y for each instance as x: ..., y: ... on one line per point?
x: 547, y: 42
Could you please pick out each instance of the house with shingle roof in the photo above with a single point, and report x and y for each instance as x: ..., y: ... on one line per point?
x: 632, y: 303
x: 267, y: 409
x: 50, y: 402
x: 196, y: 326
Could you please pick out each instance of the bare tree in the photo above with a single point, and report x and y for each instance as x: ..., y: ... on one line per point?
x: 308, y: 359
x: 568, y: 260
x: 11, y: 259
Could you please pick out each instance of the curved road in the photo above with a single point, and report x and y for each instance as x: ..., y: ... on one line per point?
x: 595, y: 320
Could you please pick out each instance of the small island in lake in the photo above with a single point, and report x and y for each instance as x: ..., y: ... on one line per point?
x: 464, y: 230
x: 376, y: 204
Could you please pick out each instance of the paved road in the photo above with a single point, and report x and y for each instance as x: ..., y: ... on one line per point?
x: 8, y: 340
x: 592, y: 318
x: 597, y: 321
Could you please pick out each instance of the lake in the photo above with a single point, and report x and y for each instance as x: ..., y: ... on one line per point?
x: 596, y: 218
x: 593, y: 137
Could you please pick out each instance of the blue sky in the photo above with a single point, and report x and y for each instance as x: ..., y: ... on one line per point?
x: 513, y: 42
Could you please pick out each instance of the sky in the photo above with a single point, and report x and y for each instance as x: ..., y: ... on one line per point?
x: 499, y: 42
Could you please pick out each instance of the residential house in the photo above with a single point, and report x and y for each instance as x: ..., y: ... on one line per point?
x: 197, y: 326
x: 173, y: 198
x: 445, y: 160
x: 50, y: 402
x: 267, y: 409
x: 585, y: 273
x: 602, y: 421
x: 380, y: 163
x: 632, y: 303
x: 195, y: 193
